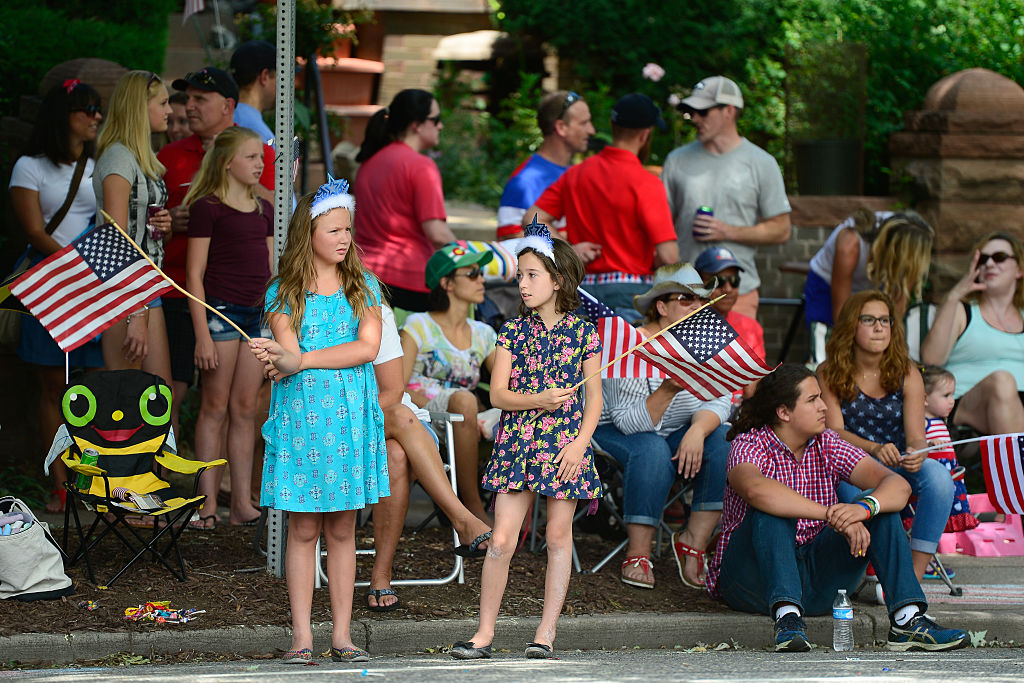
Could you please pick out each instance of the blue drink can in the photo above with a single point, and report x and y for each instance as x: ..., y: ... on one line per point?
x: 702, y: 211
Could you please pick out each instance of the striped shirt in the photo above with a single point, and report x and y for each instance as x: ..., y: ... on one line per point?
x: 625, y: 406
x: 827, y: 459
x: 936, y: 432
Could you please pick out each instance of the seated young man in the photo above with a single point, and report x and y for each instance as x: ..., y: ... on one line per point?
x: 787, y: 545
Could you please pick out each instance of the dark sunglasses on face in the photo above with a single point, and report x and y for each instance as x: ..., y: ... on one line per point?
x: 731, y: 280
x: 570, y: 99
x: 90, y: 109
x: 683, y: 298
x: 997, y: 257
x: 473, y: 274
x: 434, y: 119
x: 703, y: 112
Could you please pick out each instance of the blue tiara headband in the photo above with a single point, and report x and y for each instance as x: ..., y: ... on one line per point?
x: 332, y: 195
x: 537, y: 237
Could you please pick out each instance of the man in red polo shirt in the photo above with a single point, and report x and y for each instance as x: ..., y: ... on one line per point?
x: 616, y: 211
x: 212, y: 96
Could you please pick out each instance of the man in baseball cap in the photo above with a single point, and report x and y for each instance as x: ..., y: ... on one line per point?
x: 738, y: 181
x: 615, y: 210
x: 718, y: 268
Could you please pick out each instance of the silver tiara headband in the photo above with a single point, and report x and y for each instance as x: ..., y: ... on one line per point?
x: 537, y: 237
x: 332, y: 195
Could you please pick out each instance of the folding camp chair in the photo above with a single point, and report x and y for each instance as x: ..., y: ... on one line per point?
x: 442, y: 424
x: 123, y: 417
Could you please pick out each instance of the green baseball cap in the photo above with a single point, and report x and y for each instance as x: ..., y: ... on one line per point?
x: 452, y: 256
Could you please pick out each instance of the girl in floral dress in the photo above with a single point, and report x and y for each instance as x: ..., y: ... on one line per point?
x: 325, y: 455
x: 543, y: 441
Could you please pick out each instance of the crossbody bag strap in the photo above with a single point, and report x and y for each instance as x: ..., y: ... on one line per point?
x: 76, y: 180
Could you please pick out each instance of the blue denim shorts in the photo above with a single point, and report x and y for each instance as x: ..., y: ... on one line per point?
x: 249, y: 318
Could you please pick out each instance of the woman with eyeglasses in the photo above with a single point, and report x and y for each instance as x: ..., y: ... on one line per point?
x: 401, y: 218
x: 444, y: 350
x: 53, y: 199
x: 130, y: 188
x: 659, y: 432
x: 869, y: 250
x: 978, y: 335
x: 875, y: 400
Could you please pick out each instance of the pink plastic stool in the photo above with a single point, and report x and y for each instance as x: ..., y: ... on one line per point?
x: 989, y: 539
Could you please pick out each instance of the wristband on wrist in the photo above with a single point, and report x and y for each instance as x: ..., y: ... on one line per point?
x: 876, y: 507
x: 866, y: 507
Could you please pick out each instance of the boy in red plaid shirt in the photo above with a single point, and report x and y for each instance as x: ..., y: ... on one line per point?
x: 781, y: 509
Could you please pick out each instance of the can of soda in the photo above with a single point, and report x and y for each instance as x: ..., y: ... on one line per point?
x: 151, y: 211
x: 701, y: 211
x: 90, y: 456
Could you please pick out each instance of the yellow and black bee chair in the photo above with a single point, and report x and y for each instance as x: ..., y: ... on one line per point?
x: 125, y: 417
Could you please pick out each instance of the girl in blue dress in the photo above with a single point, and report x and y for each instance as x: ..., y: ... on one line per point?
x: 325, y: 455
x: 543, y: 441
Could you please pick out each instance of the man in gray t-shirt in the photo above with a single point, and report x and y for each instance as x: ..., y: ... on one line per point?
x: 739, y: 181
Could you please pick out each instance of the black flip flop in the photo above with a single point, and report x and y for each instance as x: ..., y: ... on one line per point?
x: 377, y: 593
x: 467, y: 650
x: 473, y: 549
x: 539, y: 651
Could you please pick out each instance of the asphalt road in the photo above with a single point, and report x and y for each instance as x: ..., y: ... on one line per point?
x: 990, y: 665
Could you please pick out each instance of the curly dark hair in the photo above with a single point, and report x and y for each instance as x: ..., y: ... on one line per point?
x: 780, y: 388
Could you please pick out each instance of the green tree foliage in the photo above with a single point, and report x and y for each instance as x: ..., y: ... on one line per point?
x: 38, y: 35
x: 908, y: 45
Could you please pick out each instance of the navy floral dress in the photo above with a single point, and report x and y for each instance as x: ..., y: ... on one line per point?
x: 526, y: 445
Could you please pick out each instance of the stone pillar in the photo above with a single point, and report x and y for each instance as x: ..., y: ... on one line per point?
x: 962, y: 156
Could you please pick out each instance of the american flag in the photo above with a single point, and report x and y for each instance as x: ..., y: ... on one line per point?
x: 617, y: 336
x: 1002, y: 458
x: 191, y: 7
x: 89, y: 285
x: 702, y: 353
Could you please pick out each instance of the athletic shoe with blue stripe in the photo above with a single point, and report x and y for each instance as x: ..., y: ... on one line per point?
x: 921, y: 633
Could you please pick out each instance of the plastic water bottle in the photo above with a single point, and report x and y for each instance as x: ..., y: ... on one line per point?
x: 842, y: 623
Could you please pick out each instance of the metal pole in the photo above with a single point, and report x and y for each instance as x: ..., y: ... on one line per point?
x: 284, y: 125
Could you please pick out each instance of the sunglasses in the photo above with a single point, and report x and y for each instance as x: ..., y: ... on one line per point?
x: 704, y: 112
x: 473, y: 274
x: 871, y: 320
x: 731, y: 280
x: 89, y: 109
x: 683, y: 298
x: 434, y: 119
x: 997, y: 257
x: 570, y: 99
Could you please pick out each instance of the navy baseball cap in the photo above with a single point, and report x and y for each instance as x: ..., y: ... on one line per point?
x: 716, y: 259
x: 637, y: 110
x: 209, y: 79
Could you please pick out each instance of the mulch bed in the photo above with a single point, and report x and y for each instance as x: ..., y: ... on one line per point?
x: 228, y: 579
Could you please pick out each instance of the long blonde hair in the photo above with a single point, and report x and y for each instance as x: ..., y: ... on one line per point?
x: 297, y: 272
x: 212, y: 177
x: 900, y: 257
x: 127, y: 119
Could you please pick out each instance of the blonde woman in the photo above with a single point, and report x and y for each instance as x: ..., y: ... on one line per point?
x: 128, y: 180
x: 869, y: 250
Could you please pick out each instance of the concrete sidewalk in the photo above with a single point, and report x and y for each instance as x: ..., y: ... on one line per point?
x: 1002, y: 622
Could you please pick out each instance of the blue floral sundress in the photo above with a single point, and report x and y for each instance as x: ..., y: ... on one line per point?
x: 325, y: 434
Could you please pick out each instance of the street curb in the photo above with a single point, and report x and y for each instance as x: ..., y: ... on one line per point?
x: 403, y: 636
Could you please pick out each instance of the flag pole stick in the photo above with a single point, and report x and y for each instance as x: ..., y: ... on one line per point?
x: 169, y: 280
x: 648, y: 339
x: 947, y: 444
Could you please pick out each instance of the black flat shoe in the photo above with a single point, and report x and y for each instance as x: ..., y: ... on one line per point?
x: 473, y: 549
x: 539, y: 651
x: 377, y: 594
x: 467, y: 650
